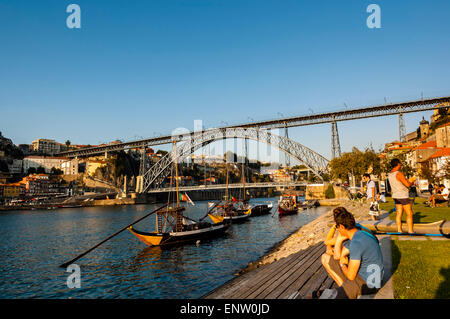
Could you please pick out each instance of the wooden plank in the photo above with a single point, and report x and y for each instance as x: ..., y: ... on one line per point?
x: 327, y: 284
x: 257, y: 286
x: 278, y: 286
x: 297, y: 280
x: 314, y: 282
x: 278, y: 277
x: 230, y: 289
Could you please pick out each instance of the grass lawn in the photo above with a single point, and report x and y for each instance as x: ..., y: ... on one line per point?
x: 422, y: 213
x: 421, y: 269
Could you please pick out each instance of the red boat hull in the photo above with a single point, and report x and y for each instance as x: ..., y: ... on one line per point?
x: 282, y: 211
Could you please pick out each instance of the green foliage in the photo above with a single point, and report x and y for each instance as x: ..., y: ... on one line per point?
x: 407, y: 170
x: 56, y: 171
x: 40, y: 170
x: 4, y: 166
x: 355, y: 162
x: 329, y: 192
x: 31, y: 170
x: 162, y: 152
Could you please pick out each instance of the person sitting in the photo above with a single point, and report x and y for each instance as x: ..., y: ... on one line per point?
x: 359, y: 268
x: 441, y: 196
x: 334, y: 244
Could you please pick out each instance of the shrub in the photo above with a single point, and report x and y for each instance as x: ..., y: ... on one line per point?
x: 329, y: 192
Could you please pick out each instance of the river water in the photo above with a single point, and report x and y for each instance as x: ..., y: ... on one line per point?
x: 35, y: 242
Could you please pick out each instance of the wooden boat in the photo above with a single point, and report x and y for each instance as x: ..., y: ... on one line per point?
x: 172, y: 227
x: 387, y: 226
x: 181, y: 231
x: 227, y: 211
x: 262, y: 209
x: 287, y: 205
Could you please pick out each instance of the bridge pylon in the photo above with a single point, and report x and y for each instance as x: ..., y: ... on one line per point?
x: 401, y: 127
x: 286, y: 156
x: 335, y: 144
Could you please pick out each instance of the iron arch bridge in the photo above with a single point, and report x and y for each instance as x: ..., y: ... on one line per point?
x: 186, y: 145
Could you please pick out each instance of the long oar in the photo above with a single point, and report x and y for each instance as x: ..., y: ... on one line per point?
x: 116, y: 233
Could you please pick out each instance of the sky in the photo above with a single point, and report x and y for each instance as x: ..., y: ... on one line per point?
x: 136, y: 69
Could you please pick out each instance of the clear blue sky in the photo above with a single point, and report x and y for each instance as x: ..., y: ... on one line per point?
x: 136, y: 68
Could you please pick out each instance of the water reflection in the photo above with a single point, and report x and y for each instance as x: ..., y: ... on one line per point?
x: 35, y: 243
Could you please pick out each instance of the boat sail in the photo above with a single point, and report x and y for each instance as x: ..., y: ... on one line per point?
x: 172, y: 227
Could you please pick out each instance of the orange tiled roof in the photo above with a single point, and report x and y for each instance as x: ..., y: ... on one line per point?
x: 441, y: 152
x: 430, y: 144
x: 443, y: 125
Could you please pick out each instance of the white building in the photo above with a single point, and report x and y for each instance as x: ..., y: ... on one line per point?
x: 68, y: 166
x: 437, y: 163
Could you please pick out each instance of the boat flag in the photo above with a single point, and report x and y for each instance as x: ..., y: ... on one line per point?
x: 185, y: 198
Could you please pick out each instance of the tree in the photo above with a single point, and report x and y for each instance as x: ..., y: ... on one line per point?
x: 427, y: 173
x: 68, y: 143
x: 40, y: 170
x: 407, y: 170
x: 356, y: 163
x: 445, y: 170
x: 162, y: 152
x: 56, y: 171
x: 31, y: 170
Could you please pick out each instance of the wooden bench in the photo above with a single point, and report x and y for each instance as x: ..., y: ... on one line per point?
x: 293, y: 277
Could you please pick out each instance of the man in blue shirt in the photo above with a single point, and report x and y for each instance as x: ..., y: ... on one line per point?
x: 358, y: 269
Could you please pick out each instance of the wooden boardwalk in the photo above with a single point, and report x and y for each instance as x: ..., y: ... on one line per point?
x: 295, y: 276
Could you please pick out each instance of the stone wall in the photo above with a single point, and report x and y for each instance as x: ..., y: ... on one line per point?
x: 317, y: 191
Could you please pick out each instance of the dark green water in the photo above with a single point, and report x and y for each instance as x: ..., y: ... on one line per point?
x: 34, y: 243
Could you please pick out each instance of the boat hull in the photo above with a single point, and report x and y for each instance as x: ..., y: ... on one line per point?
x: 285, y: 211
x: 239, y: 217
x: 183, y: 237
x: 261, y: 210
x: 387, y: 226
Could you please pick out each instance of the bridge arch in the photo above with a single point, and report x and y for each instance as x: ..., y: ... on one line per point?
x: 186, y: 145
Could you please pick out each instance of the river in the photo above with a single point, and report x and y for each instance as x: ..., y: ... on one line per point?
x: 35, y: 242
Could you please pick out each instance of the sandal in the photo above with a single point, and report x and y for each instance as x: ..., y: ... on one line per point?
x: 317, y: 293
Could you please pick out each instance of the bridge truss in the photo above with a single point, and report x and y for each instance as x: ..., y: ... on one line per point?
x: 188, y: 144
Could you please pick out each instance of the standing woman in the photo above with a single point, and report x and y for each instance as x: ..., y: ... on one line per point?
x: 400, y: 193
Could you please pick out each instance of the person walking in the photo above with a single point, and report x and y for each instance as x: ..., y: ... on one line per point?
x: 371, y: 189
x: 400, y: 193
x: 371, y: 195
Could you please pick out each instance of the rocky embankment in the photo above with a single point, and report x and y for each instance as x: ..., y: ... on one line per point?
x: 309, y: 234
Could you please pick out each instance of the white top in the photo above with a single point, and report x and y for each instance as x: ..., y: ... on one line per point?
x: 445, y: 193
x: 399, y: 191
x: 370, y: 186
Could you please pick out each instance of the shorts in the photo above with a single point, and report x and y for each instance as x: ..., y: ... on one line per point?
x: 352, y: 288
x: 402, y: 201
x: 440, y: 199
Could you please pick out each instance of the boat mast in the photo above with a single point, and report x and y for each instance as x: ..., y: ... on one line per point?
x: 243, y: 180
x: 227, y: 183
x: 176, y: 172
